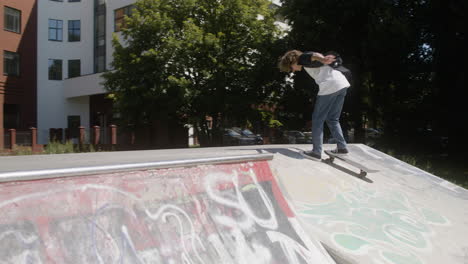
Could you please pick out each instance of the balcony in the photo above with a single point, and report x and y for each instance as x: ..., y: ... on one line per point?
x: 85, y: 85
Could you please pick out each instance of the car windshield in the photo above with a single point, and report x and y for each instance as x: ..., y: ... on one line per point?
x: 295, y: 133
x: 233, y: 133
x: 247, y: 132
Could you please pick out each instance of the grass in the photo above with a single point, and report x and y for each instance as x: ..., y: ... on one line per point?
x: 21, y: 150
x: 53, y: 147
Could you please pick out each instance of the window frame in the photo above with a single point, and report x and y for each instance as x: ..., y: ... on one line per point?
x: 52, y: 74
x: 73, y: 29
x: 5, y: 8
x: 57, y: 30
x: 17, y: 58
x: 126, y: 11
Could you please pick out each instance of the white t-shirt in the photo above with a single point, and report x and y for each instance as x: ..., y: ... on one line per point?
x: 328, y: 79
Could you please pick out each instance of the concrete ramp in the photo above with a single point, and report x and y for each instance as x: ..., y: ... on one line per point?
x: 255, y: 204
x: 400, y: 215
x: 219, y: 210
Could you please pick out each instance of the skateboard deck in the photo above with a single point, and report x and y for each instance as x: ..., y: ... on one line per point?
x: 344, y: 158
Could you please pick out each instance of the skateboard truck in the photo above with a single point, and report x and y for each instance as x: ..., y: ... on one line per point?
x: 362, y: 173
x: 363, y: 169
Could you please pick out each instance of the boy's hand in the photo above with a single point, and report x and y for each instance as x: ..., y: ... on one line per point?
x: 323, y: 59
x: 328, y: 59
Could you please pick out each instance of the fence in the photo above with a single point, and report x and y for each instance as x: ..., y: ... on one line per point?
x: 106, y: 138
x: 15, y: 138
x: 96, y: 136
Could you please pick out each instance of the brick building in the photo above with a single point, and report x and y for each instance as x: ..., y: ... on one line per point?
x: 18, y: 53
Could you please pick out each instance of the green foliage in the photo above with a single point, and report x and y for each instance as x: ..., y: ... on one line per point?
x: 268, y: 118
x: 22, y: 150
x: 188, y: 59
x: 450, y: 170
x: 385, y: 45
x: 55, y: 147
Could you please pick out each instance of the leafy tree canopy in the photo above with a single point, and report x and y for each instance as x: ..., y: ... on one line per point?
x: 386, y: 44
x: 191, y: 59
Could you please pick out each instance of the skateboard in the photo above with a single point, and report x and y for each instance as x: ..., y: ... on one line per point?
x: 344, y: 158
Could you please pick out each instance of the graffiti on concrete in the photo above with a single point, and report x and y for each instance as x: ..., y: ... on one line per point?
x: 232, y: 213
x: 363, y: 220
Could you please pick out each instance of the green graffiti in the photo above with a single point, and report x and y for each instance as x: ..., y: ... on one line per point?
x: 373, y: 219
x: 376, y: 219
x: 248, y: 187
x: 433, y: 217
x: 400, y: 259
x: 350, y: 242
x: 406, y: 236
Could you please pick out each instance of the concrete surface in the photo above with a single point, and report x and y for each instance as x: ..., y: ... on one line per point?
x: 399, y: 215
x: 232, y: 212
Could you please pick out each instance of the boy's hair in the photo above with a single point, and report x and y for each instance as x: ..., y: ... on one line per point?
x: 289, y: 58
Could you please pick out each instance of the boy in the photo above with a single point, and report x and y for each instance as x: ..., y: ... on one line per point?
x: 330, y: 98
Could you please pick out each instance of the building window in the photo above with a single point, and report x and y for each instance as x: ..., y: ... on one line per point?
x: 55, y: 29
x: 73, y: 125
x: 11, y: 116
x: 119, y: 14
x: 55, y: 69
x: 74, y: 30
x: 74, y: 68
x: 100, y: 36
x: 12, y: 21
x: 74, y: 1
x: 11, y: 63
x: 56, y: 0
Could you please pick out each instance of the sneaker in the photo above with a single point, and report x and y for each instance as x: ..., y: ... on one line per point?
x: 311, y: 155
x: 340, y: 151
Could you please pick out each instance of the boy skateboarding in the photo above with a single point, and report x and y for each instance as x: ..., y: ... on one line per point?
x: 330, y: 98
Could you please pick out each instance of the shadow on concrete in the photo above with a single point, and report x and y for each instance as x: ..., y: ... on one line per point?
x: 296, y: 155
x: 338, y: 256
x: 283, y: 151
x: 348, y: 171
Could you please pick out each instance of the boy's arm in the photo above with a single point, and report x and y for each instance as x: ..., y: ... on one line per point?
x: 314, y: 59
x: 323, y: 59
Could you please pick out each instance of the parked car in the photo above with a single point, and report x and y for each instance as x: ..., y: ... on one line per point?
x: 308, y: 136
x: 232, y: 138
x: 247, y: 133
x: 373, y: 132
x: 295, y: 137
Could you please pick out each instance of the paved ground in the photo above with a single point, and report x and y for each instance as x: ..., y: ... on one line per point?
x: 399, y: 215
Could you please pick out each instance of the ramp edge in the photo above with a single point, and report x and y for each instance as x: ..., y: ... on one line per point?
x: 80, y: 171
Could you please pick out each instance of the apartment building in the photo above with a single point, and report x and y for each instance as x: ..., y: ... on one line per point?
x: 74, y: 39
x: 18, y: 54
x: 54, y: 54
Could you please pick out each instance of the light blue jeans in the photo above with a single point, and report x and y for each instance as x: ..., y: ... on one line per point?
x: 328, y: 109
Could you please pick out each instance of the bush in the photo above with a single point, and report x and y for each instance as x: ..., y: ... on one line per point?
x: 55, y: 147
x: 22, y: 150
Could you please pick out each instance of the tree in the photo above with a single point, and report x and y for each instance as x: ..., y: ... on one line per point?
x: 447, y: 37
x: 381, y: 41
x: 189, y: 59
